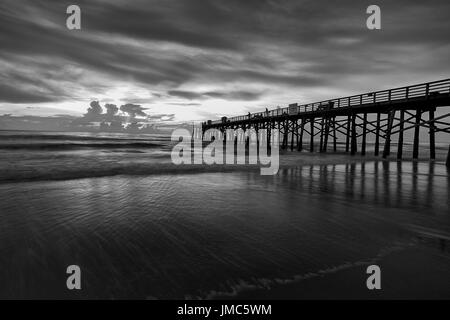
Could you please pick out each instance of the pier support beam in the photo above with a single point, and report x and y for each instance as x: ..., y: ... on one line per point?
x: 364, y: 134
x: 311, y: 143
x: 400, y: 135
x: 294, y: 127
x: 247, y: 144
x: 387, y: 141
x: 416, y: 134
x: 327, y: 133
x: 377, y: 134
x: 257, y: 141
x: 432, y: 137
x: 347, y: 136
x: 300, y: 141
x: 279, y: 133
x: 285, y: 134
x: 321, y: 134
x: 224, y: 141
x: 334, y: 135
x: 354, y: 144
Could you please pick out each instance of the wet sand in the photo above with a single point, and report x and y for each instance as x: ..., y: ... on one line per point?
x: 424, y: 276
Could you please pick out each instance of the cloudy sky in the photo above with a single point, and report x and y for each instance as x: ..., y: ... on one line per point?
x: 201, y: 59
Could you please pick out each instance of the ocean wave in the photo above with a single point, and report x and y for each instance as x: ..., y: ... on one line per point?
x: 70, y: 137
x: 74, y: 146
x: 48, y: 173
x: 237, y: 287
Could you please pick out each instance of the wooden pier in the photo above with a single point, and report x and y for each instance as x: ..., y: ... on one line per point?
x: 378, y: 115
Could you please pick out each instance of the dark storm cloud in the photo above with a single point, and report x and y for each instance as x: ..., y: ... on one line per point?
x: 133, y: 110
x: 185, y: 94
x: 111, y: 109
x: 230, y: 95
x: 172, y: 21
x: 94, y: 108
x: 27, y: 80
x: 285, y: 44
x: 93, y: 113
x: 233, y: 95
x: 15, y: 94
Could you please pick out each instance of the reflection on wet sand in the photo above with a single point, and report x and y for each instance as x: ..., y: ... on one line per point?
x: 399, y: 184
x: 404, y: 185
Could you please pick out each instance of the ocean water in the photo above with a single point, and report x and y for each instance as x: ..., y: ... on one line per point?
x: 139, y: 227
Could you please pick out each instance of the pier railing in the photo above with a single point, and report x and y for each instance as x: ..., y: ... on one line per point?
x: 403, y: 93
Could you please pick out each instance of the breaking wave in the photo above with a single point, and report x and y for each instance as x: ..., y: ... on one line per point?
x: 237, y: 287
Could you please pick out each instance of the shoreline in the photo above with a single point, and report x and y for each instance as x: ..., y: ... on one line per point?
x: 71, y: 167
x: 428, y: 267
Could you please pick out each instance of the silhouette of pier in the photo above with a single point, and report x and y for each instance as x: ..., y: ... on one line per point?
x: 352, y: 119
